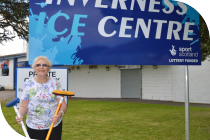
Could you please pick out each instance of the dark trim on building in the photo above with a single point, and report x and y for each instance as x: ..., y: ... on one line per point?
x: 15, y: 73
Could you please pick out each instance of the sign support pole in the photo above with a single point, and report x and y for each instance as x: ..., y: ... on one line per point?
x: 187, y: 113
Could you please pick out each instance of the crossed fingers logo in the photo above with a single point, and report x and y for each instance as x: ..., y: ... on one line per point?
x: 173, y: 51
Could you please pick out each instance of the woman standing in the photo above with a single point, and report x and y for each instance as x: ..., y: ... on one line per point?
x: 40, y: 103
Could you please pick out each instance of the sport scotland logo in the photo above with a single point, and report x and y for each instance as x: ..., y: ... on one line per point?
x: 173, y: 51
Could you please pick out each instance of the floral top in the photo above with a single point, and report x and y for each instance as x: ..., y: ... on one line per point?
x: 42, y: 103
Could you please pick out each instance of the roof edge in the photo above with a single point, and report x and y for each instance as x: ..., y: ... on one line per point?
x: 12, y: 56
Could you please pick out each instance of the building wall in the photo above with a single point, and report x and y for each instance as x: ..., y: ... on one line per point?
x: 168, y: 83
x: 164, y: 83
x: 157, y: 84
x: 178, y: 84
x: 22, y: 59
x: 200, y: 83
x: 7, y: 81
x: 95, y: 83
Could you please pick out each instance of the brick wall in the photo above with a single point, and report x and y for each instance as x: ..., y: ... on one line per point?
x: 168, y: 83
x: 95, y: 83
x: 157, y: 84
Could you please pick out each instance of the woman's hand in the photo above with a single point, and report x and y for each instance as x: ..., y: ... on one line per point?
x: 19, y: 119
x: 57, y: 118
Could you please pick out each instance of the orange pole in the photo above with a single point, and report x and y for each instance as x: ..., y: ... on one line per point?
x: 52, y: 124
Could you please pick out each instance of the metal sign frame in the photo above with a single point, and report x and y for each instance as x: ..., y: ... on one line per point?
x: 93, y: 32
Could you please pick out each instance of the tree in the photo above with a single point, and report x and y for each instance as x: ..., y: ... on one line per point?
x: 204, y: 38
x: 13, y: 15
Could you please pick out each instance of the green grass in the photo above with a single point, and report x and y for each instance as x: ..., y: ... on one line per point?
x: 103, y: 120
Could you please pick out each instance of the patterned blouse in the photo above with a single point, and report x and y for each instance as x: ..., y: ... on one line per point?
x: 42, y: 103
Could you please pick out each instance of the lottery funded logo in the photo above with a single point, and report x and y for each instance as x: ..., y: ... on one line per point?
x: 183, y: 52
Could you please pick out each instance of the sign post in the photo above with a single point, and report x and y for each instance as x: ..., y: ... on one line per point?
x: 187, y: 112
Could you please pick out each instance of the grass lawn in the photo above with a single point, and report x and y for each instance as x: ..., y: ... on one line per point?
x: 103, y: 120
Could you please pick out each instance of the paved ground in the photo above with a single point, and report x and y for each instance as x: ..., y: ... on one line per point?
x: 10, y: 94
x: 7, y: 94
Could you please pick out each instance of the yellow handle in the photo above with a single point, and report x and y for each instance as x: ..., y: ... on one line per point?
x: 52, y: 124
x: 50, y: 131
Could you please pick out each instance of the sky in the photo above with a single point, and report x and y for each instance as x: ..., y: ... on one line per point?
x: 11, y: 47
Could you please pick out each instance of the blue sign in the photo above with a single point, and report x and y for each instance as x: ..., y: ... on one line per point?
x: 114, y: 32
x: 23, y: 64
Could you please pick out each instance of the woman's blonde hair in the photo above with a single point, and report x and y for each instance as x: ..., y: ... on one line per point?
x: 43, y: 58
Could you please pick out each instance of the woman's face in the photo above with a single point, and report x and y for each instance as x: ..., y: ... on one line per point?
x: 41, y: 67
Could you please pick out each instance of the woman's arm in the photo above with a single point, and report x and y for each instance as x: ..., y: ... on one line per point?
x: 22, y: 110
x: 63, y: 108
x: 23, y: 107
